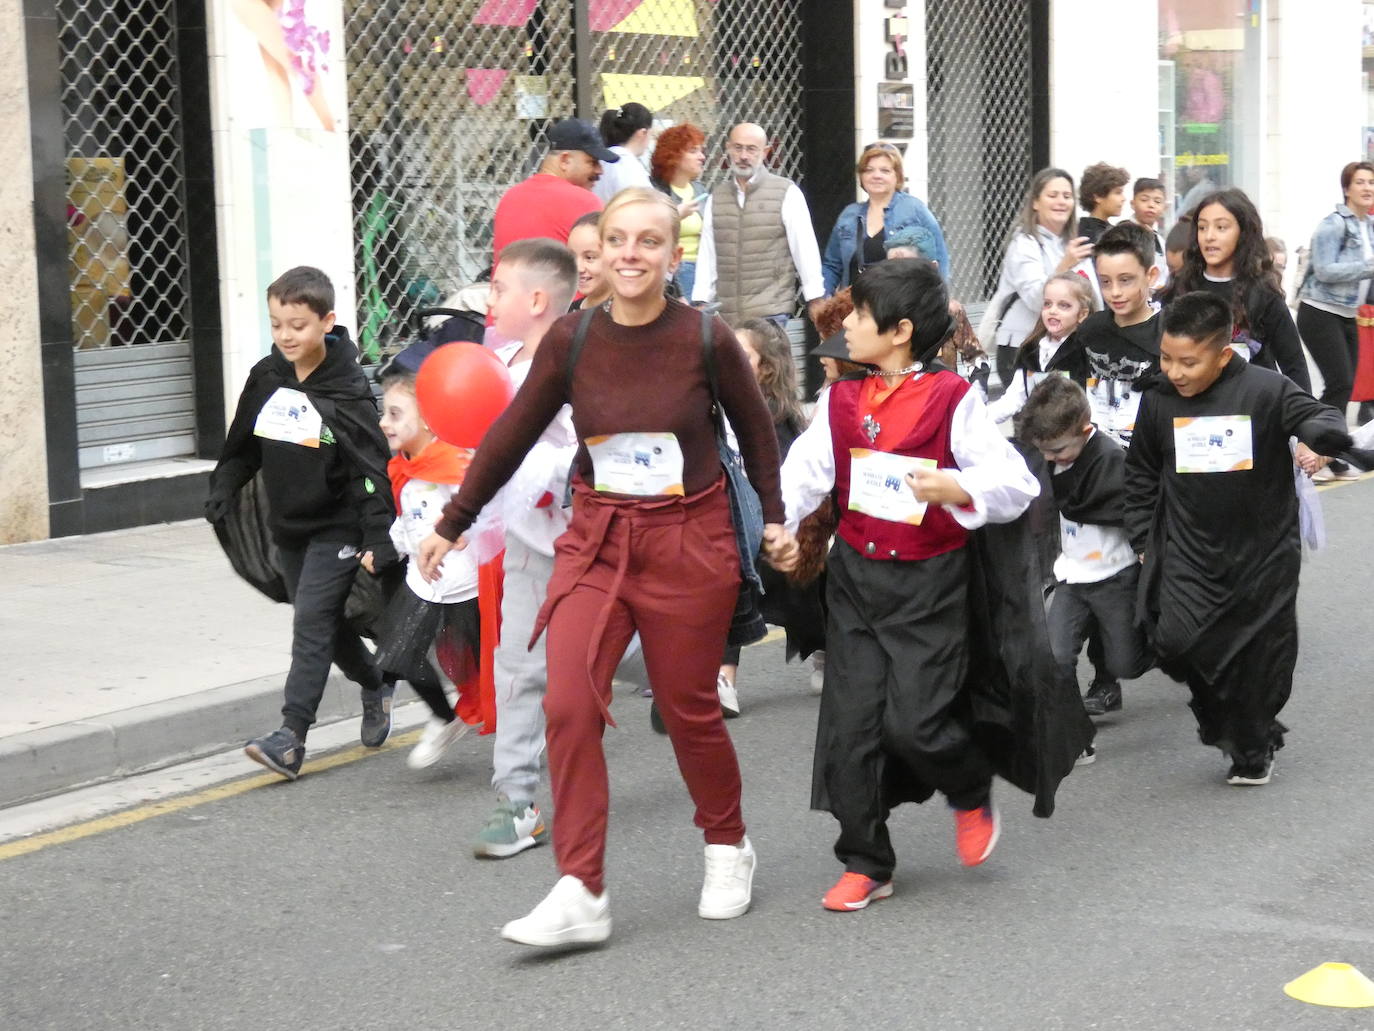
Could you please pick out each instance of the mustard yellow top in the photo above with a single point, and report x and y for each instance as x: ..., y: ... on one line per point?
x: 691, y: 225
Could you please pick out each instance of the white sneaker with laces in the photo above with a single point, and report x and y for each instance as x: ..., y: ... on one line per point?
x: 569, y: 915
x: 729, y: 697
x: 729, y: 884
x: 436, y: 738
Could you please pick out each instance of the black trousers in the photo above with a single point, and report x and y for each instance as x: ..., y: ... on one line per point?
x: 318, y: 578
x: 895, y: 665
x: 1107, y: 608
x: 1335, y: 346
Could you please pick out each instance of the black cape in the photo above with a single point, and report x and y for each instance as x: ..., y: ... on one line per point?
x: 1092, y: 489
x: 1221, y: 550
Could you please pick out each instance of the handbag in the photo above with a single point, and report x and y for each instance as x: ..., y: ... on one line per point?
x: 1364, y: 365
x: 746, y: 513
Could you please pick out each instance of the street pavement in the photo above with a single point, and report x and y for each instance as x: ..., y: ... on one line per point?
x: 1155, y: 898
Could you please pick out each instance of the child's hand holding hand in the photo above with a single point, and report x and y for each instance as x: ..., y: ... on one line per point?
x: 780, y: 548
x: 432, y: 551
x: 936, y: 487
x: 1308, y: 460
x: 366, y: 561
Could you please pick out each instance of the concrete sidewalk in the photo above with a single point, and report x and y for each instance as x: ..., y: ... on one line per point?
x: 132, y: 650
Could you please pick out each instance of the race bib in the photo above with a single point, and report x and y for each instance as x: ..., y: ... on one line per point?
x: 1114, y: 406
x: 1213, y: 444
x: 289, y: 416
x: 877, y: 486
x: 637, y: 464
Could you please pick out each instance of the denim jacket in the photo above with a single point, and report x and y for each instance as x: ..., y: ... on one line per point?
x: 902, y: 211
x: 1337, y: 264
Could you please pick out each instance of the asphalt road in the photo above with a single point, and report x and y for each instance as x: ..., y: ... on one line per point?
x: 1156, y: 897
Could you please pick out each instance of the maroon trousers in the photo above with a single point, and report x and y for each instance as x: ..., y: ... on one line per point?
x: 669, y: 569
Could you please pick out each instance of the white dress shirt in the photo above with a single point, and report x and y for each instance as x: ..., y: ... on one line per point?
x: 988, y: 468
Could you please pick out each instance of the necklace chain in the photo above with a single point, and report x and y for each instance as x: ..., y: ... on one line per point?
x: 913, y: 367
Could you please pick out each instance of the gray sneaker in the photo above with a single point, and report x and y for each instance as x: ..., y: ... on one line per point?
x: 511, y: 828
x: 280, y: 751
x: 376, y: 724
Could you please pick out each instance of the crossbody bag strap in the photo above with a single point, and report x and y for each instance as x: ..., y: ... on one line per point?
x: 708, y: 356
x: 579, y: 341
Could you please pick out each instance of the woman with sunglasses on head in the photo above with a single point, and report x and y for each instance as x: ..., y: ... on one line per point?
x: 857, y: 240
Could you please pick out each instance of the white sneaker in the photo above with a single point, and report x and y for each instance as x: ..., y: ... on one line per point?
x: 1323, y: 475
x: 817, y: 672
x: 729, y: 697
x: 569, y: 915
x: 729, y: 884
x: 436, y: 738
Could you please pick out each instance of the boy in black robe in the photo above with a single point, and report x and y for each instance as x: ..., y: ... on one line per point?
x: 1096, y: 573
x: 1211, y: 508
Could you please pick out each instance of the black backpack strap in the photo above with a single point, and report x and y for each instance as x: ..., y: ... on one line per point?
x: 579, y: 341
x: 708, y: 356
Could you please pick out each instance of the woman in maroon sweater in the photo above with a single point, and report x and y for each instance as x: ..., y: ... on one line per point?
x: 650, y: 548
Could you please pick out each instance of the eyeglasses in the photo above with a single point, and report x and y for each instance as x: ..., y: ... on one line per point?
x: 880, y: 145
x: 752, y: 150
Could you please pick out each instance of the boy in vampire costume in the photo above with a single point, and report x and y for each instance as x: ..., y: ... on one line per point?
x: 1212, y: 509
x: 938, y: 667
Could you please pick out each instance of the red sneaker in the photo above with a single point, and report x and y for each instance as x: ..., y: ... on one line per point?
x: 855, y: 891
x: 975, y: 833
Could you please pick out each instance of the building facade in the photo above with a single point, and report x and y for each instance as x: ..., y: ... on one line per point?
x: 173, y: 155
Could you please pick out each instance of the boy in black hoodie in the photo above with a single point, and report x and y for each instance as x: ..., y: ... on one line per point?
x: 1097, y: 572
x: 306, y: 421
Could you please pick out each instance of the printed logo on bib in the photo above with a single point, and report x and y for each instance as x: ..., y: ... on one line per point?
x: 637, y: 464
x: 1114, y: 406
x: 1213, y: 444
x: 289, y: 416
x: 877, y: 485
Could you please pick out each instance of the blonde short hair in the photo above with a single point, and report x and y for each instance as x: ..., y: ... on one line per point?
x: 642, y: 195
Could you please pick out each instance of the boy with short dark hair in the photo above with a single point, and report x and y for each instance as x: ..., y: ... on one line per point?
x: 1096, y: 570
x: 1211, y: 508
x: 1147, y: 207
x: 1102, y: 194
x: 1121, y: 343
x: 915, y: 464
x: 307, y: 422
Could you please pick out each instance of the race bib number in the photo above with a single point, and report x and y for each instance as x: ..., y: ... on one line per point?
x: 289, y: 416
x: 877, y: 485
x: 637, y: 464
x: 1213, y: 444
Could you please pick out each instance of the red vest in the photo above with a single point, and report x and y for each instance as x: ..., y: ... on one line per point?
x: 931, y: 401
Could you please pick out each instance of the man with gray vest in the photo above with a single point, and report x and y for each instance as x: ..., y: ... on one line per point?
x: 756, y: 239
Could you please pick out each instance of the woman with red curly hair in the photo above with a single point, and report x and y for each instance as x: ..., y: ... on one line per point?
x: 675, y: 169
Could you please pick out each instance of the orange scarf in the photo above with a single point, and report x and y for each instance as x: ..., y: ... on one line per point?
x: 438, y: 462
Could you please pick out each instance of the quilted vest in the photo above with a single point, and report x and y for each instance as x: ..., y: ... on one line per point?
x: 754, y: 272
x: 882, y: 539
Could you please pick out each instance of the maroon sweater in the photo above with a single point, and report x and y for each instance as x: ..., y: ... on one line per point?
x: 630, y: 379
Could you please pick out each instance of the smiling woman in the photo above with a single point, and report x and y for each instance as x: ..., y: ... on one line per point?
x: 651, y: 549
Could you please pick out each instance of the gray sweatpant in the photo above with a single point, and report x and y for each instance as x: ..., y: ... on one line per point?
x: 520, y: 674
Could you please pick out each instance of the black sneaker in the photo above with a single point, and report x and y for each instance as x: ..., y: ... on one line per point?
x: 656, y: 719
x: 280, y: 751
x: 1103, y: 697
x: 376, y: 715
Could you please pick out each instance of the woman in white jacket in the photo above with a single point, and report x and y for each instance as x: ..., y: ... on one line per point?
x: 1043, y: 243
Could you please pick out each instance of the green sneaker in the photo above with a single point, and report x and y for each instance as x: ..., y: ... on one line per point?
x: 511, y: 828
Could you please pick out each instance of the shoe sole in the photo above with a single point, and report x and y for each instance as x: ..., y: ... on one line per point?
x: 992, y: 842
x: 494, y: 850
x: 1251, y: 782
x: 733, y: 911
x: 879, y: 893
x: 259, y: 756
x: 1086, y: 760
x: 579, y: 934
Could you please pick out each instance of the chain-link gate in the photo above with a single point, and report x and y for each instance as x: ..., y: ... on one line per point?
x: 449, y: 101
x: 978, y: 88
x: 128, y: 260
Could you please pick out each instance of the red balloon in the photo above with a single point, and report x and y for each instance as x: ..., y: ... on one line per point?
x: 462, y: 388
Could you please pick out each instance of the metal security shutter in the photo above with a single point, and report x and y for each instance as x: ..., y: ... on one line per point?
x: 449, y: 100
x: 978, y: 90
x: 121, y: 107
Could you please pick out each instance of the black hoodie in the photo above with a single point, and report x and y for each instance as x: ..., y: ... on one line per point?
x: 336, y: 490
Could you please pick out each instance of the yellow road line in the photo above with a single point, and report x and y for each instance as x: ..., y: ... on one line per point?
x: 129, y: 817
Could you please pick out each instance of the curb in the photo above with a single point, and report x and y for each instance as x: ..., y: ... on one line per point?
x: 147, y: 737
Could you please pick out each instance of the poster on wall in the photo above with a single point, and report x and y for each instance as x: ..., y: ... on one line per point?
x: 287, y: 113
x: 896, y: 111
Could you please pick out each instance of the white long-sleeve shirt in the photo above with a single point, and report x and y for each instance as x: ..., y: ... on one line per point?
x: 619, y: 175
x: 1027, y: 265
x: 801, y: 243
x: 1014, y: 397
x: 988, y: 468
x: 422, y: 503
x: 542, y: 475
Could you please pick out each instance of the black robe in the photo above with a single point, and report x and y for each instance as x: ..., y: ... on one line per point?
x: 1092, y: 489
x: 1221, y: 549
